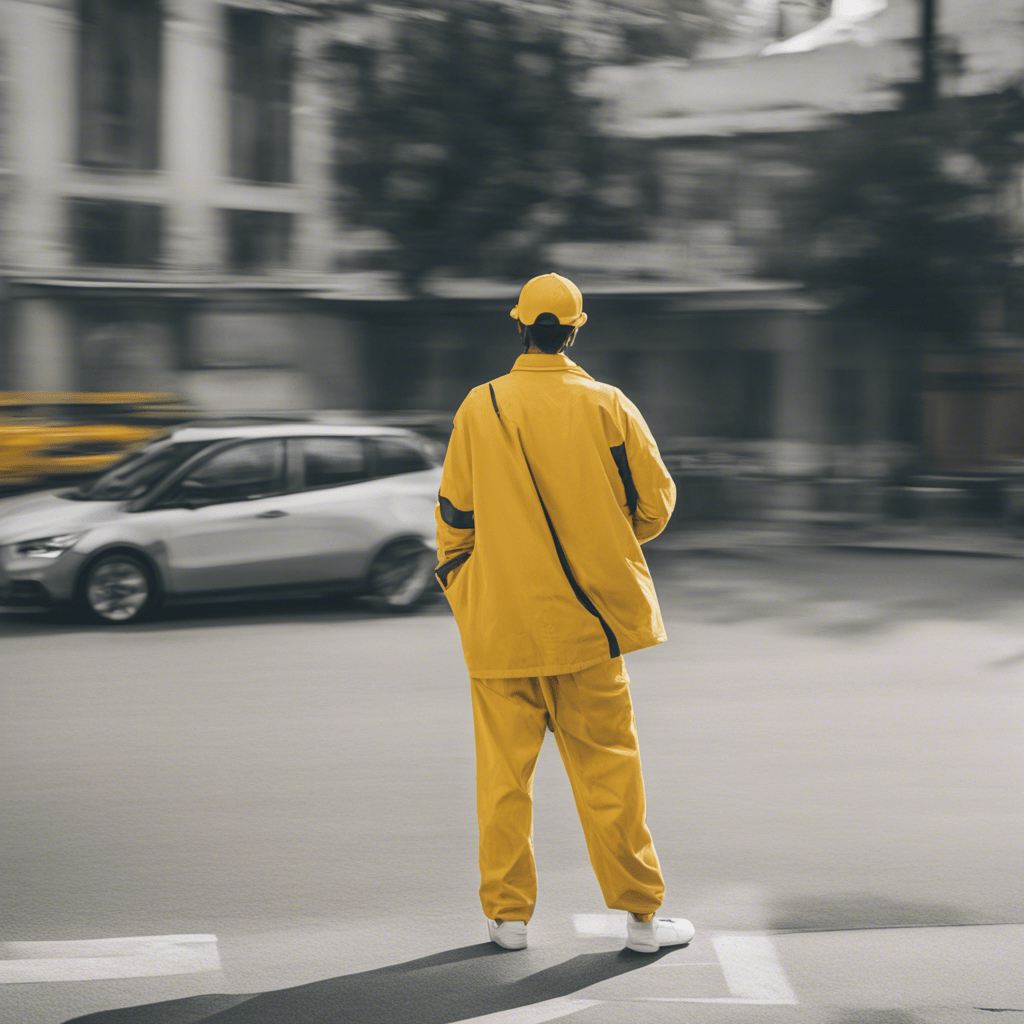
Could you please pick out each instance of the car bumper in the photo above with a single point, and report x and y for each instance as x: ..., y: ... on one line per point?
x: 38, y: 582
x: 23, y: 595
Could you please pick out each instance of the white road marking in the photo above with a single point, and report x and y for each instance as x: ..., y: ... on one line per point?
x: 748, y: 962
x: 145, y: 956
x: 600, y: 926
x: 689, y: 963
x: 691, y: 999
x: 535, y: 1013
x: 751, y: 968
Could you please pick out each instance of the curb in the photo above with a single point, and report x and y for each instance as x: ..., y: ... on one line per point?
x: 748, y: 540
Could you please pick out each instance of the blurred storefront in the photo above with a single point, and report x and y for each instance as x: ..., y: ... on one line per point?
x: 166, y: 210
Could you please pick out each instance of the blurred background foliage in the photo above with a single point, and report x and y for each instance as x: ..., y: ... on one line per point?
x: 908, y: 218
x: 462, y: 137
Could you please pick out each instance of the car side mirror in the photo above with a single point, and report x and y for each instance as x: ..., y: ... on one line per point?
x: 195, y: 493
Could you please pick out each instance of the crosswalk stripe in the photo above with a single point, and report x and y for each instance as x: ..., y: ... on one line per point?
x: 144, y: 956
x: 748, y: 962
x: 691, y: 999
x: 600, y: 926
x: 752, y: 969
x: 535, y: 1013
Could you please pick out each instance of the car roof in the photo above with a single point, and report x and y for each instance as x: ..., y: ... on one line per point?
x: 221, y: 430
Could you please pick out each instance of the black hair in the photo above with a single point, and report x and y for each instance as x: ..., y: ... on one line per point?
x: 547, y: 333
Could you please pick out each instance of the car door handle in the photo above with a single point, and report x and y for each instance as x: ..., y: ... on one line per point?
x: 274, y: 513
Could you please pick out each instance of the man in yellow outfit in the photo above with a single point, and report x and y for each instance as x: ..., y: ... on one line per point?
x: 551, y: 483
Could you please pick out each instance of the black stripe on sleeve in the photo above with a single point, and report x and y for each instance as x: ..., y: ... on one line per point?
x: 454, y: 516
x: 622, y: 464
x: 494, y: 402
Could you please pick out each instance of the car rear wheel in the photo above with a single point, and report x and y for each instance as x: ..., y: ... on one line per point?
x: 118, y: 588
x: 401, y: 576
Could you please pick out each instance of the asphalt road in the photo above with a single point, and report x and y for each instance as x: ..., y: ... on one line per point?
x: 832, y: 746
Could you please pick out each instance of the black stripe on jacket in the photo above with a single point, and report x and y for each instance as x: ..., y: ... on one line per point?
x: 580, y: 594
x: 455, y: 516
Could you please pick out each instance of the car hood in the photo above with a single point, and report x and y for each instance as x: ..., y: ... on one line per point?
x: 46, y: 514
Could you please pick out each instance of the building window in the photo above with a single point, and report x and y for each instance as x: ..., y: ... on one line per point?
x: 848, y: 405
x: 115, y: 233
x: 733, y: 393
x: 258, y: 239
x: 129, y: 346
x: 260, y: 58
x: 757, y: 372
x: 119, y: 84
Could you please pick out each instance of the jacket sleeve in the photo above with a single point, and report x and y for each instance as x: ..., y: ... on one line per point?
x: 653, y: 489
x: 453, y: 514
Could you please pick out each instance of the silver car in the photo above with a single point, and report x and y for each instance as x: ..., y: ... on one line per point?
x: 231, y: 509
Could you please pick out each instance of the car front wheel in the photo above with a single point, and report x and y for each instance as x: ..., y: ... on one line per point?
x: 401, y: 576
x: 118, y: 588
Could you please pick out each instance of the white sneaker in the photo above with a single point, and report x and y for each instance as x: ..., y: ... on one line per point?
x: 508, y: 934
x: 650, y: 936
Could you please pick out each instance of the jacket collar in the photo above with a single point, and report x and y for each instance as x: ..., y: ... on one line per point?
x: 548, y: 361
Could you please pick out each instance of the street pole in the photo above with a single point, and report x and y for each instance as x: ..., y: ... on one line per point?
x: 929, y: 70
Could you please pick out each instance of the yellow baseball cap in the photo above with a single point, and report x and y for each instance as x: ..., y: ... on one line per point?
x: 550, y: 293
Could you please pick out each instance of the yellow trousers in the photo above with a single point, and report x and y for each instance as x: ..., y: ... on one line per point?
x: 591, y: 715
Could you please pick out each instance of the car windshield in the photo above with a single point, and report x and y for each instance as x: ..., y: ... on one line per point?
x: 138, y: 471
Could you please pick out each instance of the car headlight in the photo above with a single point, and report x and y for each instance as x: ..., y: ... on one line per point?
x: 46, y: 547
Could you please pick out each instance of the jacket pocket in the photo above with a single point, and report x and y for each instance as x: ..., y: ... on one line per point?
x: 444, y: 571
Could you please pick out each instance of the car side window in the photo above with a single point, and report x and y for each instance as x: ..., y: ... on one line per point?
x: 240, y: 473
x: 392, y: 456
x: 331, y: 461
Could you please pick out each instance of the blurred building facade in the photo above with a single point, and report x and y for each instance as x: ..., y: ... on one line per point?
x: 168, y: 223
x: 167, y: 200
x: 735, y: 142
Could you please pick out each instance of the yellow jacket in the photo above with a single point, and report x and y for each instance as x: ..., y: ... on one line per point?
x: 551, y: 483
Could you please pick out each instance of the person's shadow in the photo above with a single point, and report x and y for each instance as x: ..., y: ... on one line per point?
x: 455, y: 985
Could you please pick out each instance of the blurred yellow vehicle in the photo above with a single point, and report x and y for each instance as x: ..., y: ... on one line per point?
x: 49, y: 438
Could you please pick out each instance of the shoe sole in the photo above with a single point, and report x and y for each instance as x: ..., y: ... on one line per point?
x: 655, y: 948
x: 505, y: 945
